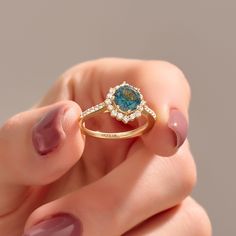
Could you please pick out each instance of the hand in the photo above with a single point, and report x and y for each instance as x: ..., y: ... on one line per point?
x: 55, y: 181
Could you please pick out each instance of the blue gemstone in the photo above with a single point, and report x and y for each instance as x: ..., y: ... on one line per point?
x: 127, y: 98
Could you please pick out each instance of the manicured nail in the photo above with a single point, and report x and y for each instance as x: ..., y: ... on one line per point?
x: 48, y: 133
x: 178, y: 123
x: 60, y: 225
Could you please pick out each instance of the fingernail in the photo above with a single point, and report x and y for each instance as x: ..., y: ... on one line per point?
x: 48, y: 133
x: 61, y: 225
x: 179, y: 125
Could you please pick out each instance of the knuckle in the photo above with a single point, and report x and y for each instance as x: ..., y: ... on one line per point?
x: 70, y: 104
x: 165, y: 70
x: 12, y: 123
x: 68, y: 79
x: 65, y: 81
x: 197, y: 219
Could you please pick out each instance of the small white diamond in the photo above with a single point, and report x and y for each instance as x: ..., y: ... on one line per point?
x: 111, y: 90
x: 113, y: 113
x: 101, y: 105
x: 109, y: 95
x: 110, y: 107
x: 119, y: 116
x: 138, y: 113
x: 108, y: 101
x: 132, y: 116
x: 125, y: 119
x: 140, y: 108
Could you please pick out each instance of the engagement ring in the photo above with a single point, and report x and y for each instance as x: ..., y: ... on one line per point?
x: 125, y: 103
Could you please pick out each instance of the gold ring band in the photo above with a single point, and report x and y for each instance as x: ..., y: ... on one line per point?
x: 118, y: 102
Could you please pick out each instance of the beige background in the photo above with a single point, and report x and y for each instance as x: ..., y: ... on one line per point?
x: 40, y: 39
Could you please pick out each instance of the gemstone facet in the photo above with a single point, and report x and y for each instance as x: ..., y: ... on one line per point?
x: 127, y: 98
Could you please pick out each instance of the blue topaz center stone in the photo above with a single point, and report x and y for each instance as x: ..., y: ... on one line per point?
x: 127, y: 98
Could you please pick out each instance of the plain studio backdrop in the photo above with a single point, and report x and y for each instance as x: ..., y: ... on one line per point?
x: 41, y: 39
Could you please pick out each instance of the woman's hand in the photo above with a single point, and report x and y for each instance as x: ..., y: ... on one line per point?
x: 56, y: 182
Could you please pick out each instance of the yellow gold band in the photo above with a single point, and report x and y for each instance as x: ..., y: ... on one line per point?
x: 102, y: 108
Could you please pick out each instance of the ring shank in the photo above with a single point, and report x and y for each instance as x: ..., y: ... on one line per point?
x: 150, y: 121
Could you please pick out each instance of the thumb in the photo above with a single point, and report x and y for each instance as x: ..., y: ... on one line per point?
x: 36, y: 148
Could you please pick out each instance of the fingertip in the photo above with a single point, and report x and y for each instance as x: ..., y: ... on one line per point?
x: 75, y: 140
x: 169, y: 132
x: 72, y: 144
x: 59, y: 122
x: 57, y: 141
x: 70, y: 122
x: 179, y: 125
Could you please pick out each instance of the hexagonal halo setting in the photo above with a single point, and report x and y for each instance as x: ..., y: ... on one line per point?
x: 125, y: 102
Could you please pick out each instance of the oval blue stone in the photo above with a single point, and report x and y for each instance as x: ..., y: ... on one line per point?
x: 127, y: 98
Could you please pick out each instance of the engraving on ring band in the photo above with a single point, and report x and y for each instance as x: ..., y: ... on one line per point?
x: 110, y: 135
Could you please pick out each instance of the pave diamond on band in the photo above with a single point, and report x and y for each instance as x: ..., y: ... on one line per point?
x: 125, y: 103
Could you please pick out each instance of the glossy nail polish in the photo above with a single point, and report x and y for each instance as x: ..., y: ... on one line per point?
x: 179, y: 125
x: 48, y: 133
x: 60, y: 225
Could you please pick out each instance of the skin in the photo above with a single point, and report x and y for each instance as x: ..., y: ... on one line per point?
x: 128, y: 187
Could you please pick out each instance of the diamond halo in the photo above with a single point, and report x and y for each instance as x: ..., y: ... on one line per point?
x: 125, y: 102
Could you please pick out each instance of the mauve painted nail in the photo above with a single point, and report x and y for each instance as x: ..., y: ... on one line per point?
x: 178, y: 123
x: 60, y: 225
x: 48, y: 133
